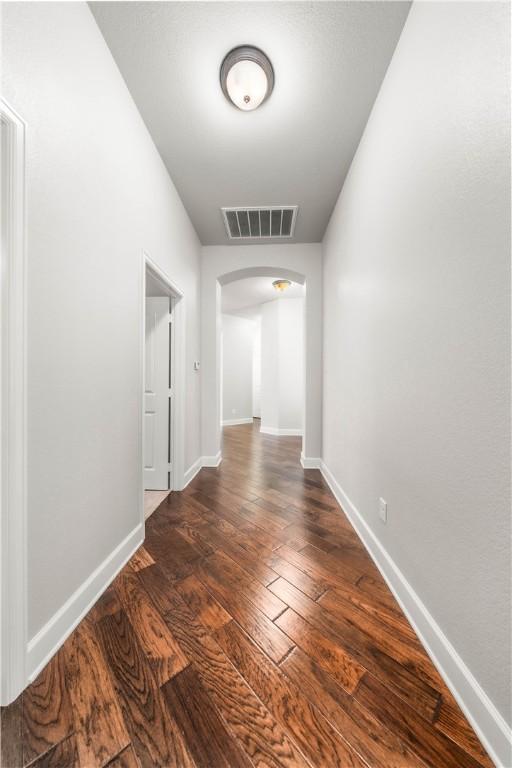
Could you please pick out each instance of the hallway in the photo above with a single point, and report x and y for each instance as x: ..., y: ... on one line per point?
x: 251, y: 628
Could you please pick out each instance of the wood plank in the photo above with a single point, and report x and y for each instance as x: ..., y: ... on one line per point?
x: 313, y: 588
x: 207, y: 738
x: 374, y: 619
x: 11, y: 722
x: 313, y: 734
x: 159, y: 646
x: 238, y: 534
x: 62, y: 755
x: 298, y: 532
x: 430, y: 745
x: 141, y: 559
x: 106, y: 605
x: 401, y: 647
x: 262, y: 518
x: 47, y: 713
x: 377, y: 589
x: 338, y: 536
x: 172, y: 552
x: 99, y: 726
x: 392, y: 619
x: 155, y: 737
x: 209, y: 612
x: 251, y: 563
x: 262, y: 738
x: 264, y: 632
x: 213, y: 511
x: 194, y: 537
x: 259, y: 538
x: 378, y: 746
x: 228, y: 498
x: 360, y: 647
x: 348, y: 566
x: 125, y: 759
x: 317, y: 570
x: 234, y: 577
x: 332, y: 657
x: 158, y: 586
x: 453, y: 724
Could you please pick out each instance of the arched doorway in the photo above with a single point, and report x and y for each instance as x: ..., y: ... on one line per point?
x: 221, y: 271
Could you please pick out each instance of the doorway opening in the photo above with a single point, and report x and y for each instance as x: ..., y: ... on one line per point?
x: 162, y: 444
x: 263, y: 355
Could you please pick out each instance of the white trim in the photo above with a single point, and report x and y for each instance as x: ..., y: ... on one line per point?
x: 235, y: 422
x: 50, y: 638
x: 211, y: 461
x: 13, y: 361
x: 308, y: 463
x: 281, y: 432
x: 487, y: 722
x: 192, y: 471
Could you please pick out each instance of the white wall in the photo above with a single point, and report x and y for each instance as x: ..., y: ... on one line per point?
x: 98, y: 194
x: 256, y: 369
x: 218, y: 263
x: 269, y: 366
x: 237, y: 364
x: 282, y: 371
x: 416, y: 327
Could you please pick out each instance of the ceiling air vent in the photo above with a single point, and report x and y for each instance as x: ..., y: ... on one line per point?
x: 260, y: 221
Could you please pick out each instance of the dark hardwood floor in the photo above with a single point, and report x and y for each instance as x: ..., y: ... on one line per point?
x: 251, y: 629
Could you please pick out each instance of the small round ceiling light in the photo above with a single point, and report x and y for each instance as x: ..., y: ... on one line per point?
x: 246, y: 77
x: 281, y: 285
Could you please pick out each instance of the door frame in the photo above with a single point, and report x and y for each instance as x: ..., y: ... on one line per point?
x: 177, y: 435
x: 13, y: 364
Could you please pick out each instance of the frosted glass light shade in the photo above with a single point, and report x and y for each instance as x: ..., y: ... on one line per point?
x: 246, y: 77
x: 246, y: 84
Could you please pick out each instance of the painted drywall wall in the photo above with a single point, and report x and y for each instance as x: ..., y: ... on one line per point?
x: 237, y: 362
x: 282, y: 365
x: 269, y: 366
x: 97, y: 195
x: 256, y: 369
x: 223, y: 263
x: 417, y: 327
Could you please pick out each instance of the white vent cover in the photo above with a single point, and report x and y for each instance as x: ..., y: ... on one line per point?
x: 261, y: 221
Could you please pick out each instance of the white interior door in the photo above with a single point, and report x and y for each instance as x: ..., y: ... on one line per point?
x: 157, y: 393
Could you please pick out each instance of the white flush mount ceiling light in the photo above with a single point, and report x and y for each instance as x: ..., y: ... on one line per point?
x: 246, y: 77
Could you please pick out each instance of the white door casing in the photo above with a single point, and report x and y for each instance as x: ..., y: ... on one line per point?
x: 157, y: 394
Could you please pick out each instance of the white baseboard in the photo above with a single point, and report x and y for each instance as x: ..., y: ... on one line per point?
x: 235, y: 422
x: 48, y: 640
x: 309, y: 463
x: 488, y: 723
x: 211, y: 461
x: 280, y: 432
x: 192, y: 471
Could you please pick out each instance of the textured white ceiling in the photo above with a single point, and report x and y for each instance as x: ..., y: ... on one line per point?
x: 329, y: 60
x: 243, y: 297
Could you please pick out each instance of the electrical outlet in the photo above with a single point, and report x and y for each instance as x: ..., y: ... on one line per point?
x: 383, y: 510
x: 233, y: 411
